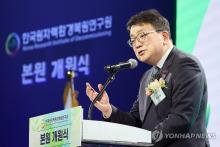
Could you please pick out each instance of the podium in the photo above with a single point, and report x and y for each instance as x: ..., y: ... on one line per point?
x: 67, y: 128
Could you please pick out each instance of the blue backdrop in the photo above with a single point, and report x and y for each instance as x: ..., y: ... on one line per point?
x: 40, y: 40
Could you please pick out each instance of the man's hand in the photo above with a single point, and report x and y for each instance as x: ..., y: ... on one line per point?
x: 103, y: 105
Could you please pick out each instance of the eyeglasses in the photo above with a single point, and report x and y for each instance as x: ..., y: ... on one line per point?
x: 140, y: 37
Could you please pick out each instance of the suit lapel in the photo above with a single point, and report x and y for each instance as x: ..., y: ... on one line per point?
x: 169, y: 60
x: 146, y: 101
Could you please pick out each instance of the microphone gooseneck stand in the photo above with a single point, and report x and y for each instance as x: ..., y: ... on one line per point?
x: 98, y: 97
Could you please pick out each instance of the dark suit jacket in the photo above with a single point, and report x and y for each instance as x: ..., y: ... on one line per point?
x: 183, y: 110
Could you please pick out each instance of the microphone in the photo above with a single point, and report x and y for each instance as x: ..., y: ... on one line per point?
x: 112, y: 69
x: 130, y: 64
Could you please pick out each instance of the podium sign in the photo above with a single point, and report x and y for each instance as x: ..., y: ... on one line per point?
x: 61, y: 128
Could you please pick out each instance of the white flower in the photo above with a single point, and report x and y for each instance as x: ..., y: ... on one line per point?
x: 155, y: 85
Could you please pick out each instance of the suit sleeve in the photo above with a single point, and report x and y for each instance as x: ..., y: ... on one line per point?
x: 187, y: 93
x: 131, y: 118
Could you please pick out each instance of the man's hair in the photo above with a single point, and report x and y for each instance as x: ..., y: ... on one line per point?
x: 152, y: 17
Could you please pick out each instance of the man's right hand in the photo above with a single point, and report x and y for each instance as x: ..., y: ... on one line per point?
x: 103, y: 105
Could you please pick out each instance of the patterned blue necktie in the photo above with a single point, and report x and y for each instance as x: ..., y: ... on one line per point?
x: 156, y: 73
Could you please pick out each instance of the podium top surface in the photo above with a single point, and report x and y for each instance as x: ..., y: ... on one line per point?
x: 113, y: 133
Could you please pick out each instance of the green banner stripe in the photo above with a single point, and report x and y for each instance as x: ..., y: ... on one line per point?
x: 208, y: 110
x: 189, y: 17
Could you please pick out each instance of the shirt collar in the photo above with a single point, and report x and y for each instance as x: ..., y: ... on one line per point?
x: 164, y: 57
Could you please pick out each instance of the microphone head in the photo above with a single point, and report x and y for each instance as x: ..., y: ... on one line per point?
x: 133, y: 63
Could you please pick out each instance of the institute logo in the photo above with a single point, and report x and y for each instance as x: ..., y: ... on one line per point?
x: 12, y: 44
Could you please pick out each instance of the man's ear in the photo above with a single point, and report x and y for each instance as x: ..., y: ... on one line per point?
x: 166, y: 37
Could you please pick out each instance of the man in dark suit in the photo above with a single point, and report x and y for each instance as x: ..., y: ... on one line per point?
x: 173, y: 93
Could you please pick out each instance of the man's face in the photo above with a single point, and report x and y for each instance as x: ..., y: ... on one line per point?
x: 147, y: 43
